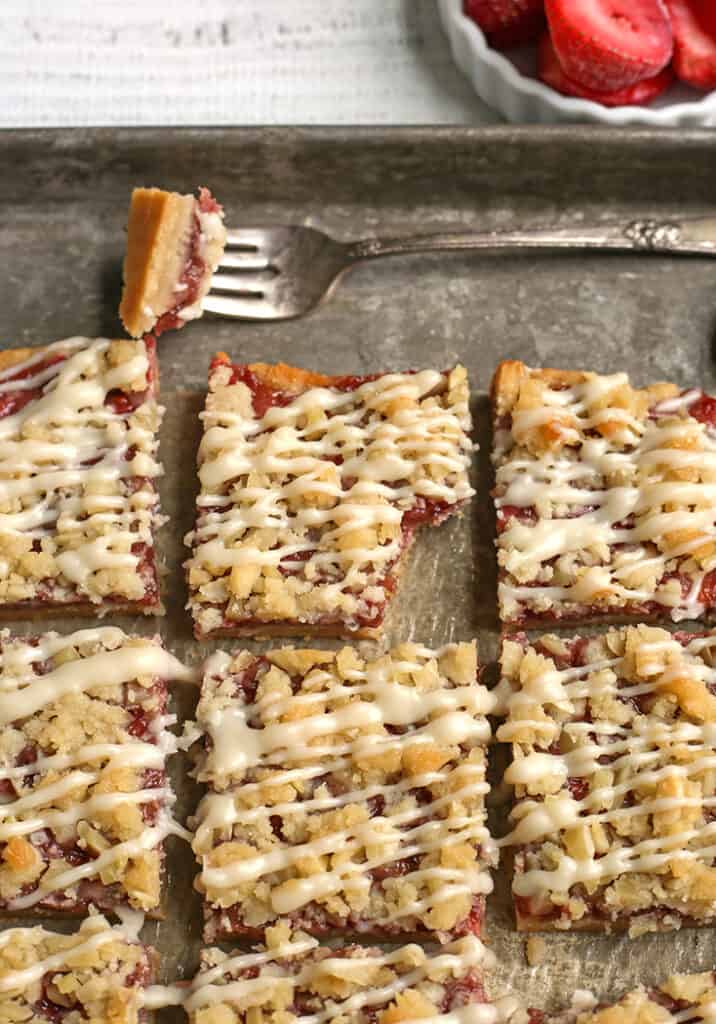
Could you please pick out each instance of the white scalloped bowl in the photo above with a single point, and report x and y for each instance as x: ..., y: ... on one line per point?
x: 507, y: 83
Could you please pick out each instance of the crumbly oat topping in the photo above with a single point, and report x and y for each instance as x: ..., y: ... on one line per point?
x: 84, y: 802
x: 294, y: 979
x: 535, y: 950
x: 344, y: 791
x: 96, y: 974
x: 78, y: 428
x: 614, y: 768
x: 308, y: 504
x: 605, y: 496
x: 684, y: 998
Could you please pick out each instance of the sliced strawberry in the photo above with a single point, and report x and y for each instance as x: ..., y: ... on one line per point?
x: 551, y: 73
x: 507, y: 23
x: 607, y: 45
x: 694, y: 25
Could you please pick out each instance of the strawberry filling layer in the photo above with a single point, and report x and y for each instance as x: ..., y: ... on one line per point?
x: 194, y: 272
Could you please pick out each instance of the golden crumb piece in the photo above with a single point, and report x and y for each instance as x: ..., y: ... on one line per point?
x: 408, y: 1005
x: 535, y: 950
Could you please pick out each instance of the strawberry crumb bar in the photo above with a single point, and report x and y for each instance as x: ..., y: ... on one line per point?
x: 345, y: 795
x: 312, y: 490
x: 98, y: 974
x: 605, y: 498
x: 683, y: 999
x: 84, y: 798
x: 78, y: 504
x: 294, y: 980
x: 614, y: 769
x: 174, y: 245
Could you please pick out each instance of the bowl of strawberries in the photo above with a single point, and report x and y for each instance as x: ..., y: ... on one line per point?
x: 610, y: 61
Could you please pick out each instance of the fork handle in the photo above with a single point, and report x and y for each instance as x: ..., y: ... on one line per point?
x: 693, y: 236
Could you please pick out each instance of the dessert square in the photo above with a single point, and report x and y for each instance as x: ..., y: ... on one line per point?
x: 312, y: 490
x: 614, y: 768
x: 99, y: 974
x: 84, y: 797
x: 294, y: 979
x: 685, y: 998
x: 78, y: 505
x: 346, y: 795
x: 174, y: 244
x: 605, y: 498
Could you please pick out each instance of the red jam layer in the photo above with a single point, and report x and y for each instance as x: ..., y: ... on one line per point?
x: 13, y: 401
x: 704, y: 410
x: 194, y: 272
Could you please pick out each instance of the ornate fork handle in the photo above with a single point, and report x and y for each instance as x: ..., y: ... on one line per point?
x: 693, y: 236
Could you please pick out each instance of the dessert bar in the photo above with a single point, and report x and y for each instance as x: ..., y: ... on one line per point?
x: 312, y: 490
x: 294, y: 980
x: 615, y: 779
x: 346, y: 795
x: 84, y: 797
x: 78, y: 504
x: 605, y: 497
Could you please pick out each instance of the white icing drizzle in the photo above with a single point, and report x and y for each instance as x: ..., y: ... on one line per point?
x: 304, y: 748
x: 646, y: 756
x: 25, y: 692
x: 65, y: 478
x: 94, y: 932
x: 331, y: 474
x: 617, y: 515
x: 211, y: 986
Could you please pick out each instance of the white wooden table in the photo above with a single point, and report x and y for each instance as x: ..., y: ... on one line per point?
x: 224, y: 62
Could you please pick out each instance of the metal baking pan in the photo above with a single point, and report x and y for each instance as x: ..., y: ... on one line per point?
x: 64, y: 197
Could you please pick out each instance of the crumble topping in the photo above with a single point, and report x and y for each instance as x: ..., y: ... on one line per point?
x: 98, y: 974
x: 294, y: 979
x: 84, y: 800
x: 614, y: 768
x: 344, y: 792
x: 605, y: 496
x: 312, y: 488
x: 78, y: 431
x: 684, y: 998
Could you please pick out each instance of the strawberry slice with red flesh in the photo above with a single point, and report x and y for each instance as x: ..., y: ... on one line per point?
x: 694, y: 25
x: 552, y: 74
x: 507, y: 23
x: 607, y: 45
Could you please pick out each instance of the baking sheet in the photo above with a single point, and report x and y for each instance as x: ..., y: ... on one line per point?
x: 63, y: 199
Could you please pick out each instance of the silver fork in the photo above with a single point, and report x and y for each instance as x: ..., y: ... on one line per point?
x: 281, y: 272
